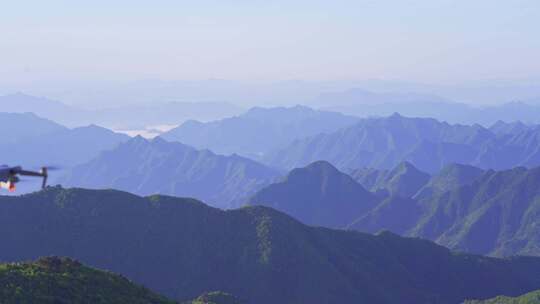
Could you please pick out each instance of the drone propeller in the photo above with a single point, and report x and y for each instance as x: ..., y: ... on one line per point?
x: 53, y: 168
x: 49, y: 168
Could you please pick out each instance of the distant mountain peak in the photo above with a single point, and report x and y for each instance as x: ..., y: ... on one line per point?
x: 97, y: 128
x: 450, y: 177
x: 139, y: 137
x: 21, y: 97
x: 20, y: 94
x: 499, y: 123
x: 159, y: 140
x: 508, y: 128
x: 321, y: 165
x: 317, y: 194
x: 261, y: 112
x: 403, y: 180
x: 135, y: 142
x: 191, y: 123
x: 319, y: 169
x: 405, y: 165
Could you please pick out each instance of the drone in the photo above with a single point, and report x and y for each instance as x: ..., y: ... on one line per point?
x: 9, y: 176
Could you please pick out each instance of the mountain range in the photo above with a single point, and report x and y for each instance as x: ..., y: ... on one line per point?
x: 43, y: 107
x: 364, y: 103
x: 258, y: 131
x: 426, y: 143
x: 286, y: 92
x: 118, y: 118
x: 496, y: 214
x: 158, y: 108
x: 461, y: 207
x: 26, y: 126
x: 156, y: 166
x: 35, y: 141
x: 171, y: 113
x: 181, y: 247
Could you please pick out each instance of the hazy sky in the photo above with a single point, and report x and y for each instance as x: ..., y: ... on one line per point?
x: 428, y: 40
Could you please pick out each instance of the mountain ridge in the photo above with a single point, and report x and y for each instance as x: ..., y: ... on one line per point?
x: 157, y: 166
x: 403, y: 180
x: 428, y: 144
x: 462, y: 207
x: 37, y: 142
x: 258, y: 131
x: 181, y: 247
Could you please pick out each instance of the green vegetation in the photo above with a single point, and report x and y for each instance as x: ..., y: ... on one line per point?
x: 496, y: 214
x: 464, y: 208
x: 62, y: 280
x: 530, y: 298
x: 215, y: 297
x: 467, y: 209
x: 181, y: 248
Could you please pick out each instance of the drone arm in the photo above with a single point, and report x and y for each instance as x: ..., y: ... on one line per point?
x: 43, y: 174
x: 31, y: 173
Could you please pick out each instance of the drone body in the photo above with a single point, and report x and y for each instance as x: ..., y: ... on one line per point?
x: 9, y: 176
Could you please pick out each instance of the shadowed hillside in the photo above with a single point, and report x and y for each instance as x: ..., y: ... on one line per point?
x: 462, y: 207
x: 318, y: 195
x: 182, y: 248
